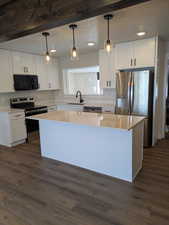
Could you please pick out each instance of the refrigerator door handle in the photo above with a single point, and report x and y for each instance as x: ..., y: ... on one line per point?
x: 133, y: 94
x: 130, y: 90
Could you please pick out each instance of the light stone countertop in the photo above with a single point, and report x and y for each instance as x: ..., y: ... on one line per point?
x: 10, y: 110
x: 91, y: 119
x: 87, y: 104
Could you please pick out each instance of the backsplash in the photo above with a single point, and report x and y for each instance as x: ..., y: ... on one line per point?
x: 41, y: 97
x: 52, y: 97
x: 108, y: 97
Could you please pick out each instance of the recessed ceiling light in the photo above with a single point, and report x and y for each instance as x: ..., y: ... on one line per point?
x: 90, y: 43
x: 53, y: 50
x: 141, y: 33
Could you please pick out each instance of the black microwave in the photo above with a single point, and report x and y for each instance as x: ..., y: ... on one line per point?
x: 25, y: 82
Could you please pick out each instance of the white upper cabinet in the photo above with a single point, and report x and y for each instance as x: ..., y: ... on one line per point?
x: 42, y: 73
x: 144, y: 52
x: 48, y: 74
x: 53, y: 74
x: 6, y: 76
x: 136, y: 54
x: 124, y: 55
x: 23, y: 63
x: 107, y: 69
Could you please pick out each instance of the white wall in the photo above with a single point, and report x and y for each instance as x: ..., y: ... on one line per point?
x: 160, y: 90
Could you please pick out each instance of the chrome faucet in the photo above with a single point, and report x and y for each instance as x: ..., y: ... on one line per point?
x: 78, y: 93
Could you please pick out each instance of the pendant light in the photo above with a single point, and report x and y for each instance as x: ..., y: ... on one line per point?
x: 47, y: 56
x: 73, y: 53
x: 108, y: 45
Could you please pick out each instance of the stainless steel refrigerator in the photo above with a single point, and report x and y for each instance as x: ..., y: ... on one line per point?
x: 134, y: 96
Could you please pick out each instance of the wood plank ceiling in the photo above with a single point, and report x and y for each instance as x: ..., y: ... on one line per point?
x: 22, y: 17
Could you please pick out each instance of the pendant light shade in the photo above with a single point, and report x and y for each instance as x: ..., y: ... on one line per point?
x: 108, y: 44
x: 47, y: 55
x: 73, y: 52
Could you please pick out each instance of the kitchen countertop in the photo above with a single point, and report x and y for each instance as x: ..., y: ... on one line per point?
x: 87, y: 104
x: 91, y: 119
x: 10, y: 110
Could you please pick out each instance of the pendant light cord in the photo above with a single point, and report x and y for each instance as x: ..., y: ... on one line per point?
x: 108, y: 29
x: 73, y: 38
x: 47, y: 50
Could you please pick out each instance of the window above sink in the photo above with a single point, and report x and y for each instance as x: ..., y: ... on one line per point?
x: 85, y: 79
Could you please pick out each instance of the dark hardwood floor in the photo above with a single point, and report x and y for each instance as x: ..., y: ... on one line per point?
x: 38, y: 191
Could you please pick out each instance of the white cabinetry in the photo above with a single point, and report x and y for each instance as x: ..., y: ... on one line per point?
x: 23, y: 63
x: 69, y: 107
x: 107, y: 69
x: 145, y: 53
x: 123, y: 55
x: 53, y: 74
x: 42, y: 73
x: 6, y: 77
x: 12, y: 128
x: 136, y: 54
x: 48, y: 74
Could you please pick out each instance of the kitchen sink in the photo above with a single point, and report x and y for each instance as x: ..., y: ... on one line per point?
x: 75, y: 103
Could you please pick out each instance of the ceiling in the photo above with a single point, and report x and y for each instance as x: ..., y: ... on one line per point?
x: 151, y: 17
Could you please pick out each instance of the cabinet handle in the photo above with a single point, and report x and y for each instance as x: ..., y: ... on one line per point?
x: 26, y: 70
x: 107, y: 83
x: 131, y: 64
x: 110, y: 83
x: 135, y: 62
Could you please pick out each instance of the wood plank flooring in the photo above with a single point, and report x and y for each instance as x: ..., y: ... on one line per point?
x: 38, y: 191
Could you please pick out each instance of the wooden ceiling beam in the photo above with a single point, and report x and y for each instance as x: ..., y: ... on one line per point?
x: 23, y: 17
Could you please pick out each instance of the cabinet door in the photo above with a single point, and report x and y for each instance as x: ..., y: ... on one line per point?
x: 53, y: 75
x: 17, y: 63
x: 124, y: 56
x: 18, y: 130
x: 107, y: 69
x: 6, y: 76
x: 42, y: 73
x: 23, y: 63
x: 28, y: 63
x: 144, y: 53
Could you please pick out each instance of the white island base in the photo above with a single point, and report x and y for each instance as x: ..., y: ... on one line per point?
x: 111, y: 151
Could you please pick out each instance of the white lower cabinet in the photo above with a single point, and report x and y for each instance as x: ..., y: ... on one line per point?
x: 12, y: 128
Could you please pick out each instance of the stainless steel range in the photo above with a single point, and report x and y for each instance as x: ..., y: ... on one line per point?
x: 28, y: 104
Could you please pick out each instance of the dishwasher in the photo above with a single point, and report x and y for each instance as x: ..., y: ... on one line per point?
x: 92, y: 109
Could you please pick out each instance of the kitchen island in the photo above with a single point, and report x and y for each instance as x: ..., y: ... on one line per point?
x: 105, y: 143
